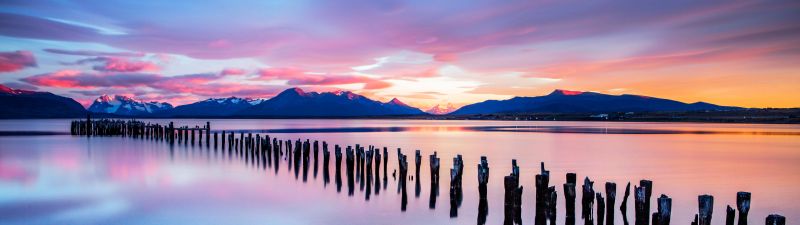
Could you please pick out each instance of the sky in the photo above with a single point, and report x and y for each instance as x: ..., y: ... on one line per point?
x: 740, y: 53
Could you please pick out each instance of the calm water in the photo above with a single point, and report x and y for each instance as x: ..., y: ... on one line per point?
x: 61, y: 179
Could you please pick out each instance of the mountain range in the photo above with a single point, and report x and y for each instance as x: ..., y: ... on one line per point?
x: 213, y: 107
x: 441, y: 110
x: 15, y: 103
x: 296, y: 103
x: 127, y: 106
x: 564, y: 101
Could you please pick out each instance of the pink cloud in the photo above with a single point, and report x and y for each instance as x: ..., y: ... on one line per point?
x: 17, y: 60
x: 445, y: 57
x: 233, y: 71
x: 118, y: 64
x: 295, y: 76
x: 78, y: 79
x: 220, y: 43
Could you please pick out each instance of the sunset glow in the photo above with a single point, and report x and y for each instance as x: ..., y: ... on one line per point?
x: 739, y: 53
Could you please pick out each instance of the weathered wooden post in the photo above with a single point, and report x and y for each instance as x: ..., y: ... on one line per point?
x: 623, y: 208
x: 730, y: 215
x: 743, y: 205
x: 601, y: 208
x: 385, y: 164
x: 338, y: 174
x: 483, y: 177
x: 551, y: 205
x: 662, y: 216
x: 417, y: 163
x: 706, y: 206
x: 403, y: 168
x: 513, y: 196
x: 611, y: 195
x: 434, y: 164
x: 350, y: 170
x: 642, y: 202
x: 377, y: 170
x: 569, y: 198
x: 775, y: 219
x: 456, y: 194
x: 316, y: 157
x: 587, y: 202
x: 326, y: 158
x: 208, y: 132
x: 542, y: 186
x: 368, y: 156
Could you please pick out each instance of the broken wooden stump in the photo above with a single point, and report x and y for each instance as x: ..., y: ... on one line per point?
x: 326, y: 158
x: 730, y: 215
x: 550, y: 204
x: 642, y: 202
x: 434, y: 165
x: 368, y: 157
x: 456, y: 194
x: 542, y: 186
x: 662, y: 216
x: 483, y: 177
x: 743, y: 205
x: 513, y: 196
x: 587, y: 202
x: 569, y: 198
x: 350, y: 161
x: 403, y: 167
x: 338, y: 173
x: 706, y: 209
x: 611, y: 195
x: 601, y: 208
x: 775, y: 219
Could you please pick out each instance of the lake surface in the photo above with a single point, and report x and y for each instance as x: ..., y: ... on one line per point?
x: 47, y: 177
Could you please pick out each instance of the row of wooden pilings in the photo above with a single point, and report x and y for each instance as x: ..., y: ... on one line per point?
x: 363, y: 166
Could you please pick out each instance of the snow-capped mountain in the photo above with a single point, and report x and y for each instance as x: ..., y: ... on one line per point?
x: 294, y: 102
x: 127, y: 106
x: 214, y: 107
x: 441, y: 110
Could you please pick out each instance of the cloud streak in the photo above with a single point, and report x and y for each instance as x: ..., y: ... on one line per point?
x: 15, y: 61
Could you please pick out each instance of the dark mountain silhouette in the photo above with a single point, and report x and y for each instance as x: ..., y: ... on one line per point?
x: 34, y: 104
x: 295, y: 102
x: 563, y: 101
x: 213, y: 107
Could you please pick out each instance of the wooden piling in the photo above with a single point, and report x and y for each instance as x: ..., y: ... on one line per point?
x: 601, y: 208
x: 513, y: 196
x: 542, y: 188
x: 706, y: 209
x: 662, y: 216
x: 775, y: 219
x: 611, y: 195
x: 434, y: 165
x: 569, y: 198
x: 483, y: 177
x: 743, y: 205
x: 587, y: 202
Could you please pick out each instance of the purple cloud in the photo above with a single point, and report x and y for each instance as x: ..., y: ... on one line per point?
x: 14, y: 61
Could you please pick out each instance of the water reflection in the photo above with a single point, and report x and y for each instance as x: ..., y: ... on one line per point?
x: 240, y: 190
x: 527, y: 129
